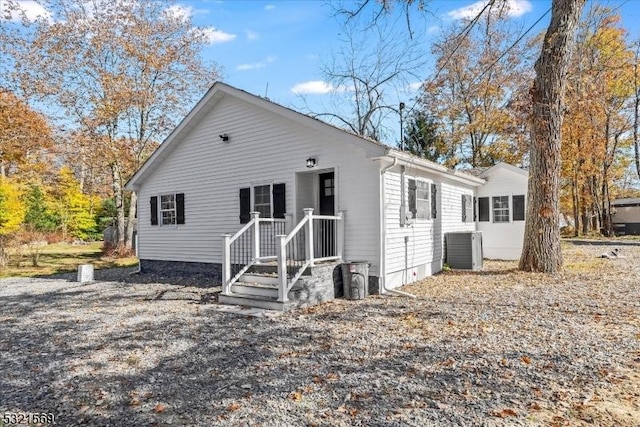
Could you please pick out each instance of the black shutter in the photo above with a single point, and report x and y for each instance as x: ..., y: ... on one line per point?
x: 413, y: 208
x: 180, y: 208
x: 245, y: 205
x: 154, y: 210
x: 518, y: 208
x: 434, y: 204
x: 483, y: 209
x: 464, y: 208
x: 279, y: 201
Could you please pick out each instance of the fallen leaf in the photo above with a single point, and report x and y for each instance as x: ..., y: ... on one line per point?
x: 233, y: 407
x: 505, y: 413
x: 332, y: 376
x: 295, y: 396
x: 526, y: 360
x: 159, y: 408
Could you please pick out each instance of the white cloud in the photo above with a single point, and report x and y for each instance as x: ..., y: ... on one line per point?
x: 252, y: 35
x: 179, y: 11
x: 514, y: 8
x: 214, y: 36
x: 256, y: 65
x: 315, y: 87
x: 433, y: 29
x: 32, y: 11
x: 415, y: 86
x: 270, y: 7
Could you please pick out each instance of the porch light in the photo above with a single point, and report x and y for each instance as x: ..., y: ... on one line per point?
x: 224, y: 137
x: 311, y: 162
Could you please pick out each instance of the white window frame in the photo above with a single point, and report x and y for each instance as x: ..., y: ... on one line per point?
x: 270, y: 194
x: 421, y: 185
x: 468, y: 208
x: 498, y: 213
x: 162, y: 210
x: 425, y: 201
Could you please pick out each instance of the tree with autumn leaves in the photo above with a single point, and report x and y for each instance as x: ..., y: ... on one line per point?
x: 123, y: 73
x: 475, y: 92
x: 597, y: 140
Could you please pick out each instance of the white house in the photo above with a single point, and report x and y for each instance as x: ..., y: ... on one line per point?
x: 323, y: 195
x: 501, y: 209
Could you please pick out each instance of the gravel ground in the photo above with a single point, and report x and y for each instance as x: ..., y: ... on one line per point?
x: 498, y: 347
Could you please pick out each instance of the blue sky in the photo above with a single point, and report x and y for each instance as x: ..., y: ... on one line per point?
x: 281, y: 44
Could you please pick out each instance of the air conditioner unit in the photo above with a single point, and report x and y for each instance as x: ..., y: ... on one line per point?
x: 464, y: 250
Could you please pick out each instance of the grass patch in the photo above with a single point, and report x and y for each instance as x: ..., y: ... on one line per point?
x: 63, y: 258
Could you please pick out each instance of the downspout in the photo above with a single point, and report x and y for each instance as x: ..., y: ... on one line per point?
x: 383, y: 235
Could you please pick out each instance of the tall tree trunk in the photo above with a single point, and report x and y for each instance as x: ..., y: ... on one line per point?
x: 116, y: 185
x: 576, y: 206
x: 636, y: 110
x: 131, y: 220
x: 541, y: 250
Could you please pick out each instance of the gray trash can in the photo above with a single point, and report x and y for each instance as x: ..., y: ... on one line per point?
x: 355, y: 279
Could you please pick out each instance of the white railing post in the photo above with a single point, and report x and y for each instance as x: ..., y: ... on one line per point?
x: 281, y: 246
x: 255, y: 216
x: 309, y: 237
x: 340, y: 234
x: 226, y: 263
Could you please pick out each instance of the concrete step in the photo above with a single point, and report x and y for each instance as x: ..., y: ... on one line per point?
x: 255, y: 289
x: 266, y: 303
x: 268, y: 279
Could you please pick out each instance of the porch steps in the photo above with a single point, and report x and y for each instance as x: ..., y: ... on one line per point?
x: 256, y: 290
x: 267, y: 303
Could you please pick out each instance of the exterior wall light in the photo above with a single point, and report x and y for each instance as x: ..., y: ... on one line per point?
x: 311, y: 162
x: 224, y: 137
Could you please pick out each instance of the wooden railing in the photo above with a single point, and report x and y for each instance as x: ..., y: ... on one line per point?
x: 315, y: 238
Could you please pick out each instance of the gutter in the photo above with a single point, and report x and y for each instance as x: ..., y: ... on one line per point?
x: 383, y: 234
x: 432, y: 167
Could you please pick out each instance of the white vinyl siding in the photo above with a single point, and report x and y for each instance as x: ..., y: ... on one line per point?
x: 407, y: 249
x: 502, y: 240
x: 263, y: 147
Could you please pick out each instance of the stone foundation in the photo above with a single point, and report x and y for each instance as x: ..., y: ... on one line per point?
x: 316, y: 288
x: 181, y: 269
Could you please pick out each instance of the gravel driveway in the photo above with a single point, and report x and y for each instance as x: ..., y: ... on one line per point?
x: 498, y: 347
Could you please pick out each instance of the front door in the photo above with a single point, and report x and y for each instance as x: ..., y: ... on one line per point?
x: 325, y: 229
x: 327, y: 187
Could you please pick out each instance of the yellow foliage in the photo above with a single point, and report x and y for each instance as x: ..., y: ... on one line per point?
x: 12, y: 210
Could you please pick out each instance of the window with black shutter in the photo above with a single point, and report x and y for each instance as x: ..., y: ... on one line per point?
x: 483, y: 209
x: 420, y: 205
x: 245, y: 205
x: 154, y: 210
x: 518, y: 207
x: 279, y: 201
